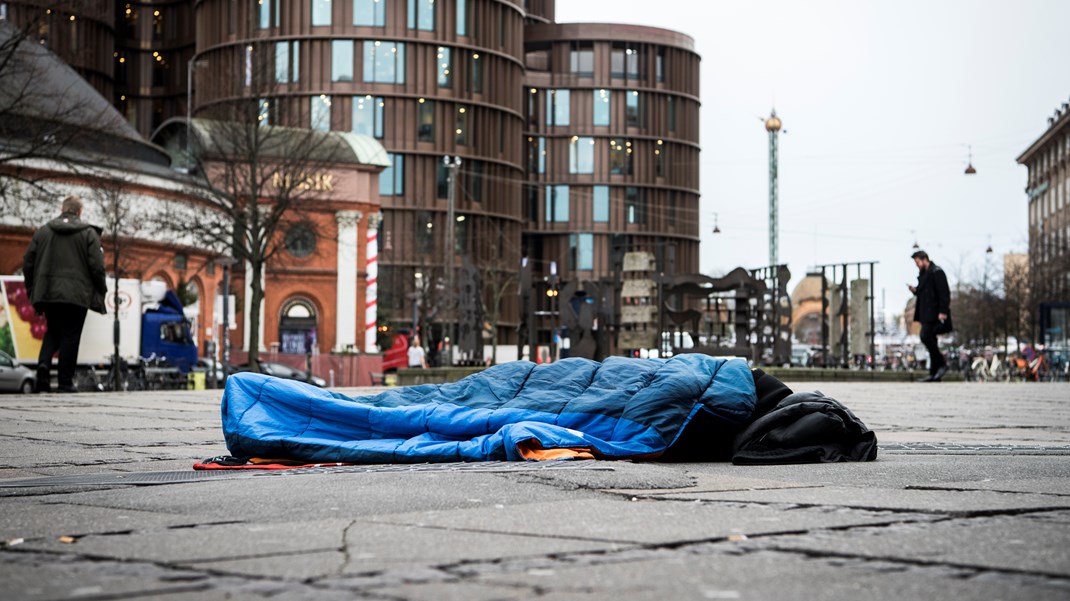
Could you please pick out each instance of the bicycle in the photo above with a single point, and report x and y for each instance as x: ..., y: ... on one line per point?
x: 984, y: 370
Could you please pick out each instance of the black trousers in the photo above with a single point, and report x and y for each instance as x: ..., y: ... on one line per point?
x: 64, y: 333
x: 928, y: 338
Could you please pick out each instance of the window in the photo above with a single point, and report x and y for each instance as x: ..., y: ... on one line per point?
x: 476, y: 71
x: 581, y: 155
x: 282, y: 62
x: 425, y: 131
x: 300, y: 240
x: 659, y: 65
x: 475, y: 180
x: 320, y: 113
x: 384, y: 62
x: 537, y: 155
x: 557, y: 107
x: 321, y: 12
x: 533, y: 203
x: 557, y: 203
x: 425, y: 232
x: 620, y: 157
x: 445, y: 72
x: 248, y: 66
x: 442, y: 179
x: 462, y: 125
x: 600, y: 204
x: 581, y: 60
x: 264, y: 10
x: 581, y: 251
x: 342, y: 60
x: 624, y: 62
x: 369, y: 13
x: 263, y: 115
x: 462, y: 17
x: 533, y: 108
x: 368, y: 116
x: 392, y: 179
x: 601, y: 107
x: 634, y: 209
x: 422, y: 15
x: 634, y: 109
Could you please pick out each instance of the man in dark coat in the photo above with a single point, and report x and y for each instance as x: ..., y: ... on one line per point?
x: 933, y: 310
x: 64, y: 273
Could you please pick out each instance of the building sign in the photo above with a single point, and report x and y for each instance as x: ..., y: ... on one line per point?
x: 320, y: 182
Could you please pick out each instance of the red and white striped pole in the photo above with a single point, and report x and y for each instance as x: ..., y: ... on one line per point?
x: 371, y: 289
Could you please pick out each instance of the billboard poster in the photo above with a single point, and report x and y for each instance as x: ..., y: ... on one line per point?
x: 21, y: 328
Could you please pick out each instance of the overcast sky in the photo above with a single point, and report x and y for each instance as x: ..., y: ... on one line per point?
x: 880, y: 101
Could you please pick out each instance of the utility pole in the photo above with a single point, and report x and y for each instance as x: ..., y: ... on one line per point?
x: 452, y: 165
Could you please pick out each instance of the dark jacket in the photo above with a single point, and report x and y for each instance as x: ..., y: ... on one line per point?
x: 934, y: 296
x: 65, y: 264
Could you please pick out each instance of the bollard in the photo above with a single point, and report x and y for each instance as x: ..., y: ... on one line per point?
x: 330, y: 377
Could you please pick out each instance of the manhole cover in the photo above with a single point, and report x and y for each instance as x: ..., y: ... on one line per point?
x: 152, y: 478
x: 945, y: 448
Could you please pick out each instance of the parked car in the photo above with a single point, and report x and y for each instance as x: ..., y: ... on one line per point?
x: 14, y: 377
x: 284, y: 371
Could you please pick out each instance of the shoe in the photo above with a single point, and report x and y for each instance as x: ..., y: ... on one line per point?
x: 931, y: 378
x: 940, y: 373
x: 67, y: 389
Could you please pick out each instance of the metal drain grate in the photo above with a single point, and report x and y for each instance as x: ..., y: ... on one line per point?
x: 973, y: 449
x: 153, y: 478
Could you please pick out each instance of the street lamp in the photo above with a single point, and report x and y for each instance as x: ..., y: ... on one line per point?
x: 226, y: 263
x: 452, y: 165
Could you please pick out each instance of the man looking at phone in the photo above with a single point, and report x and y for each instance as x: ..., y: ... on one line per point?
x: 932, y: 310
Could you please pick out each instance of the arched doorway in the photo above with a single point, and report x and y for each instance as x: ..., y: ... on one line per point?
x: 297, y: 326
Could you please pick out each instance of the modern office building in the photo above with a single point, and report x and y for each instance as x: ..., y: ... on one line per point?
x: 577, y: 142
x: 1048, y: 191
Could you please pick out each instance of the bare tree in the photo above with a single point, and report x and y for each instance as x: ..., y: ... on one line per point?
x: 46, y: 111
x: 262, y: 184
x: 499, y: 267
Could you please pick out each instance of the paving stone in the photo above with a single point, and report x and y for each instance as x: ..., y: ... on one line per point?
x: 636, y: 522
x: 954, y: 502
x: 28, y: 520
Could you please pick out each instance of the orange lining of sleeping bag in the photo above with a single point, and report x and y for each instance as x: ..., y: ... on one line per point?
x: 531, y: 449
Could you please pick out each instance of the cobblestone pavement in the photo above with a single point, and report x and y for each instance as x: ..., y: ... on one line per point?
x: 969, y: 499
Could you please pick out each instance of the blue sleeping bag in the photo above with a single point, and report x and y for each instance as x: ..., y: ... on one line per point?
x: 619, y: 408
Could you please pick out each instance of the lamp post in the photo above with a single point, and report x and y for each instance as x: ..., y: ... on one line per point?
x: 452, y: 165
x: 226, y: 263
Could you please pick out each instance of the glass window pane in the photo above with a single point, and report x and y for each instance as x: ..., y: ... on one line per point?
x: 462, y: 125
x: 560, y: 199
x: 585, y: 254
x: 282, y: 62
x: 295, y: 63
x: 426, y: 121
x: 342, y: 60
x: 391, y: 180
x: 632, y: 108
x: 616, y: 63
x: 369, y: 13
x: 421, y: 15
x: 601, y: 107
x: 321, y: 12
x: 542, y: 155
x: 581, y: 62
x: 600, y: 204
x: 264, y: 13
x: 384, y: 62
x: 264, y: 113
x: 320, y: 113
x: 477, y: 74
x: 444, y: 68
x: 561, y: 107
x: 366, y: 113
x: 462, y: 17
x: 581, y: 155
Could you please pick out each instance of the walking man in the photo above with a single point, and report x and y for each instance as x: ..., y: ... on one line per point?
x: 933, y: 310
x: 64, y: 272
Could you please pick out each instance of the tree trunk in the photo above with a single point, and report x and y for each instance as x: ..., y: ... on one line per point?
x: 257, y: 291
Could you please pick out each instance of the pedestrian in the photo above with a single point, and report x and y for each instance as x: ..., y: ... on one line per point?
x: 933, y: 310
x: 64, y: 274
x: 417, y: 359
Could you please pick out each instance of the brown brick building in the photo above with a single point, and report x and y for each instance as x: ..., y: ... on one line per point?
x: 578, y: 142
